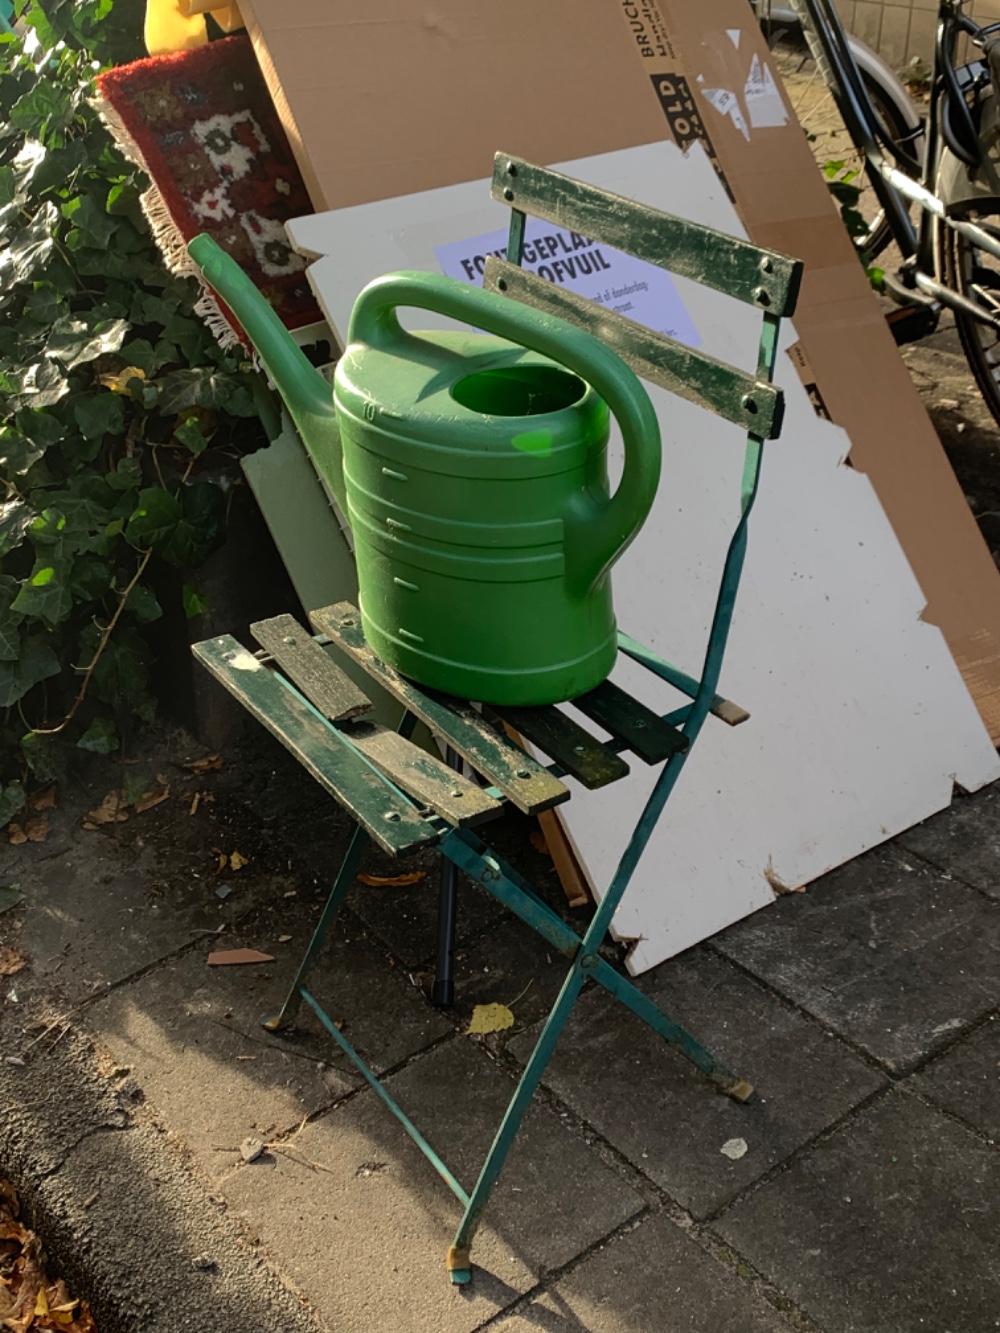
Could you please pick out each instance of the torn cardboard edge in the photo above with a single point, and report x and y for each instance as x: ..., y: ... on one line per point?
x: 660, y: 59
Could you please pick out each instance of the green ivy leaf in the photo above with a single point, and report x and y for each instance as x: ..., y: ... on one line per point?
x: 15, y: 518
x: 127, y: 475
x: 120, y: 676
x: 191, y: 435
x: 41, y: 427
x: 204, y: 386
x: 36, y: 662
x: 142, y: 603
x: 194, y: 603
x: 9, y: 192
x: 42, y: 385
x: 184, y: 529
x: 44, y: 111
x: 89, y: 578
x: 100, y: 414
x: 154, y: 519
x: 100, y: 737
x: 12, y: 799
x: 44, y: 594
x: 17, y: 454
x: 76, y: 341
x: 43, y: 307
x: 10, y: 621
x: 44, y: 755
x: 29, y: 251
x: 93, y: 224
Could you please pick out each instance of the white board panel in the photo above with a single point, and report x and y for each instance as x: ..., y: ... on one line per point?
x: 860, y: 721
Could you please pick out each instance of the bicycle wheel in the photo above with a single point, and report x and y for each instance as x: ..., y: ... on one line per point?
x: 831, y: 142
x: 976, y: 275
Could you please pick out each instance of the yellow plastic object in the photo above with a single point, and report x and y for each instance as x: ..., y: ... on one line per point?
x: 179, y: 25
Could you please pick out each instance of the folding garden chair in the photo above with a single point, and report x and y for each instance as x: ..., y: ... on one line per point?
x: 402, y: 798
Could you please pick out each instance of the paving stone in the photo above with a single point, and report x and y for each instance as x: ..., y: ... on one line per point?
x: 628, y: 1285
x: 964, y: 839
x: 99, y: 913
x: 888, y: 1226
x: 966, y: 1080
x: 191, y: 1035
x: 886, y: 951
x: 510, y: 965
x: 367, y: 1234
x: 665, y: 1116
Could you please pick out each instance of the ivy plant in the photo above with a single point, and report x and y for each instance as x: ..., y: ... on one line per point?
x: 114, y: 398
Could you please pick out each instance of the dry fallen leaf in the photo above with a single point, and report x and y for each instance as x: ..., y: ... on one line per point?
x: 195, y: 802
x: 223, y: 862
x: 283, y: 939
x: 11, y: 960
x: 44, y: 800
x: 230, y: 957
x: 393, y: 881
x: 149, y: 799
x: 37, y: 829
x: 110, y: 811
x: 237, y: 861
x: 490, y: 1018
x: 16, y: 835
x: 210, y: 764
x: 27, y: 1298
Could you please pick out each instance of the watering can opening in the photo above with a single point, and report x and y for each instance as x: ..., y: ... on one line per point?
x: 519, y: 391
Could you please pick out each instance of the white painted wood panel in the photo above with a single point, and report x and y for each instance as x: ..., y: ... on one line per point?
x: 860, y: 719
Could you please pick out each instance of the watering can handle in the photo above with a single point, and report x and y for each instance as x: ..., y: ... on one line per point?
x: 595, y: 537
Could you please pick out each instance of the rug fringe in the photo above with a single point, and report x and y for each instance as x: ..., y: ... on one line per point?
x: 168, y: 237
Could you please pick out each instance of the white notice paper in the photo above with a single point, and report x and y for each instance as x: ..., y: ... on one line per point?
x: 633, y: 288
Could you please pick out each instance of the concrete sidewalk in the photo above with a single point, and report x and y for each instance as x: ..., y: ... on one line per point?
x: 863, y: 1011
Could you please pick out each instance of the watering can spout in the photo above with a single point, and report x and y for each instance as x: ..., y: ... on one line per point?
x: 307, y: 394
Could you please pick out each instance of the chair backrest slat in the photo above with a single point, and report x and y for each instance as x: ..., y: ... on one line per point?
x: 762, y: 278
x: 730, y: 393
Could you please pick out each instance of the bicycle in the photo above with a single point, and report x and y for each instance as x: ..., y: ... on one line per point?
x: 936, y: 178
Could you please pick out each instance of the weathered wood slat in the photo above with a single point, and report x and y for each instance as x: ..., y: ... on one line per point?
x: 364, y: 793
x: 523, y: 781
x: 724, y: 709
x: 702, y: 379
x: 632, y: 723
x: 461, y: 802
x: 585, y: 757
x: 763, y: 278
x: 312, y: 669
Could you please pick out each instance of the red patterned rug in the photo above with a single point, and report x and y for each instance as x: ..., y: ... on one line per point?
x: 202, y: 125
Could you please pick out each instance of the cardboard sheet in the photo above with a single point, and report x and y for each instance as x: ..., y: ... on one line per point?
x: 860, y: 720
x: 396, y: 98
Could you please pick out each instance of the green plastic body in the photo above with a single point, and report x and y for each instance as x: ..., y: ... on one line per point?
x: 472, y: 470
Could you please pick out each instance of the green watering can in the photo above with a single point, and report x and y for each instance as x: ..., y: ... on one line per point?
x: 473, y: 474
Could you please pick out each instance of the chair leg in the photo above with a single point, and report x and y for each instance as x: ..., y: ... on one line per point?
x: 443, y: 993
x: 679, y: 1038
x: 458, y: 1261
x: 345, y: 878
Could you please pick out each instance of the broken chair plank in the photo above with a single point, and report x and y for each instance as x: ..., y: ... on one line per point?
x: 311, y: 668
x: 523, y: 781
x: 368, y: 797
x: 461, y: 802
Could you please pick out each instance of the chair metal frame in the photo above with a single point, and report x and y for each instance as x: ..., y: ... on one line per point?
x: 760, y: 277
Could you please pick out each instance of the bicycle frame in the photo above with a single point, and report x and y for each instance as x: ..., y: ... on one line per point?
x: 896, y: 177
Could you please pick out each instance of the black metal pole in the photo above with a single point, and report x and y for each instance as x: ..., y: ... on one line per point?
x: 443, y: 993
